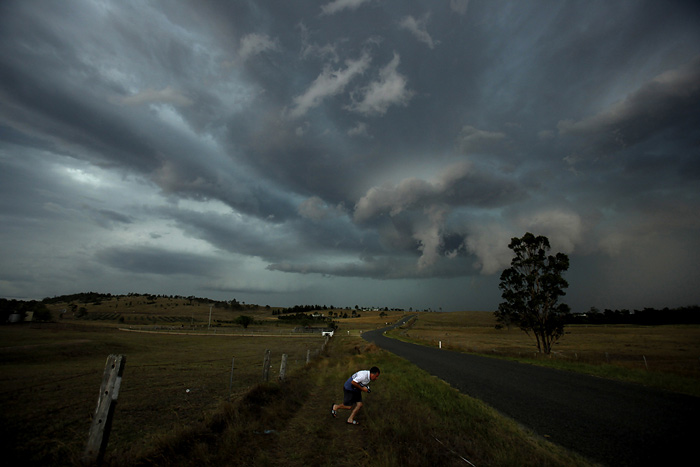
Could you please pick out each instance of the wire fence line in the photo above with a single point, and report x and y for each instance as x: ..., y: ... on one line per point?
x: 49, y: 397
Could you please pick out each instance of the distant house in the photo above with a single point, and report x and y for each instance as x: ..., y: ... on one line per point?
x: 15, y: 318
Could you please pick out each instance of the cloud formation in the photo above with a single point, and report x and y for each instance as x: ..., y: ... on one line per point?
x: 254, y: 44
x: 329, y: 83
x: 418, y: 29
x: 348, y: 152
x: 666, y: 101
x: 337, y: 6
x: 389, y: 89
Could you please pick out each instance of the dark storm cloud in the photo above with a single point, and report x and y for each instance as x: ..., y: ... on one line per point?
x: 143, y: 260
x: 296, y: 147
x: 100, y: 122
x: 460, y: 185
x: 292, y: 239
x: 669, y: 102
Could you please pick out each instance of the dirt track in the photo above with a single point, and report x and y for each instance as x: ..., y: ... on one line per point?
x: 614, y: 423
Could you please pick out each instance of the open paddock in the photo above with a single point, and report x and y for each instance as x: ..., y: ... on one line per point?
x: 50, y: 376
x: 670, y: 348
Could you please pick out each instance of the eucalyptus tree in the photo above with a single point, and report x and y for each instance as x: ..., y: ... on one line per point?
x: 531, y: 288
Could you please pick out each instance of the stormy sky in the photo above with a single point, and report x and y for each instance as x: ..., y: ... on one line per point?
x: 349, y: 152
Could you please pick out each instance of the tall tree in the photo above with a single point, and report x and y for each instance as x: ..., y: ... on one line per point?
x: 531, y: 288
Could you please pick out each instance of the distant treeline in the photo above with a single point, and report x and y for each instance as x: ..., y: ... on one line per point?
x: 306, y: 320
x: 296, y: 309
x: 83, y: 297
x: 647, y: 316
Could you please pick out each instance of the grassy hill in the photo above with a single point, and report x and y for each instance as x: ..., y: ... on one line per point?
x: 144, y: 310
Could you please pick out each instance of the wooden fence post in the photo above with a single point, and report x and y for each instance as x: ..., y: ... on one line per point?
x: 308, y: 356
x: 283, y: 367
x: 230, y: 384
x: 266, y: 366
x: 106, y: 402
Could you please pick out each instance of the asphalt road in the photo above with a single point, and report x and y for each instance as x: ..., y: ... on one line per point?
x: 613, y: 423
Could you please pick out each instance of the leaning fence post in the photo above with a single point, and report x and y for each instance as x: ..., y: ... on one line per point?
x: 266, y: 366
x: 106, y: 402
x: 308, y: 356
x: 283, y: 367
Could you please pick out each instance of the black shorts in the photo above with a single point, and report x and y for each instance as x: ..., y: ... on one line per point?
x: 350, y: 397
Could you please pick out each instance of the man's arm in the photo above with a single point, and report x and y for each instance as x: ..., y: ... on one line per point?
x: 359, y: 386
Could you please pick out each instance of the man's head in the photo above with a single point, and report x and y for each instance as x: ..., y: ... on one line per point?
x: 374, y: 373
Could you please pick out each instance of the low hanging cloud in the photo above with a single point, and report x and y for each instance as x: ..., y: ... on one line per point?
x: 387, y: 267
x: 488, y: 241
x: 564, y: 228
x: 459, y: 185
x: 393, y: 199
x: 416, y: 195
x: 430, y: 203
x: 428, y: 233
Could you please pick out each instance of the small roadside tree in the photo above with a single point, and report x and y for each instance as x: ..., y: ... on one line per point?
x: 531, y: 288
x: 244, y: 321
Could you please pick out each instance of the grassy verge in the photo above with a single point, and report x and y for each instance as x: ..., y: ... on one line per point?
x: 416, y: 419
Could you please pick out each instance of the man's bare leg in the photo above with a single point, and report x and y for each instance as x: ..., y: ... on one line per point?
x: 358, y: 406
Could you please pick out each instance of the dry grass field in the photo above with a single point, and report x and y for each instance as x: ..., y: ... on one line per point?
x: 178, y: 369
x: 289, y: 423
x: 177, y: 383
x: 669, y: 350
x: 51, y: 373
x: 50, y: 389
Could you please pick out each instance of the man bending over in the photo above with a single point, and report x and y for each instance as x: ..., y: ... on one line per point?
x: 352, y: 393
